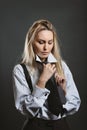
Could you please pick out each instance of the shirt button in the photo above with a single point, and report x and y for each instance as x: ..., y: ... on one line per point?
x: 45, y: 94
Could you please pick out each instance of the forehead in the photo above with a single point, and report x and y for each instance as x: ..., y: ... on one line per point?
x: 45, y: 34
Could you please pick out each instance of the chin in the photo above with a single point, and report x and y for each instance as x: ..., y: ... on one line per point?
x: 44, y: 57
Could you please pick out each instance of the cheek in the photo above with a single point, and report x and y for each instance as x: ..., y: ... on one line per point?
x: 37, y: 49
x: 51, y: 48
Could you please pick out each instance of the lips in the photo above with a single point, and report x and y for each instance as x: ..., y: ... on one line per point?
x: 44, y: 53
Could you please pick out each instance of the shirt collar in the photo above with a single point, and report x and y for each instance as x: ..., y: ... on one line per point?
x: 50, y: 59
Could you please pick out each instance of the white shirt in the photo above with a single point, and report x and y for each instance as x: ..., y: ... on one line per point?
x: 34, y: 104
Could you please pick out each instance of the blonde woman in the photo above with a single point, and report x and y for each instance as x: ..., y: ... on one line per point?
x: 38, y: 78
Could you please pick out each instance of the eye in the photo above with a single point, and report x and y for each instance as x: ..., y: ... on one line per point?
x: 41, y: 42
x: 50, y: 42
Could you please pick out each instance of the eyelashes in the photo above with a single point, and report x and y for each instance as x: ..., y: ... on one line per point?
x: 43, y: 42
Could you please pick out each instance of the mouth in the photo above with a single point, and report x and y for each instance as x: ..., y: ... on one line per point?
x: 45, y: 53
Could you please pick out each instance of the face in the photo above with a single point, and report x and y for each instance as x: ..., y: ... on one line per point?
x: 43, y: 44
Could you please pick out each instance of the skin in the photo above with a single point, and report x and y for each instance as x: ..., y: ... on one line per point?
x: 43, y: 45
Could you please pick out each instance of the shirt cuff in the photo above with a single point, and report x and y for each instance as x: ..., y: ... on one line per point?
x: 40, y: 92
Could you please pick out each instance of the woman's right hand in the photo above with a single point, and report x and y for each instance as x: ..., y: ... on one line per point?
x: 48, y: 71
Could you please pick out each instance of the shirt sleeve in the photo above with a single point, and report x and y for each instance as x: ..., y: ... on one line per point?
x: 25, y: 101
x: 72, y: 96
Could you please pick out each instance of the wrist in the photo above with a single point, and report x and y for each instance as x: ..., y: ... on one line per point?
x: 41, y: 83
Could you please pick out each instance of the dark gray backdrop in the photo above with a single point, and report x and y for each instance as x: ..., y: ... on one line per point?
x: 69, y: 18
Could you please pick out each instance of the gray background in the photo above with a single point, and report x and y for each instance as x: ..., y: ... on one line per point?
x: 70, y: 19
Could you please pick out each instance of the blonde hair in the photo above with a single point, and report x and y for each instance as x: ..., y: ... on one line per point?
x: 28, y: 56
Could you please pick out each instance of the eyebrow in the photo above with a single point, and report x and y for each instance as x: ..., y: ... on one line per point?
x: 44, y: 40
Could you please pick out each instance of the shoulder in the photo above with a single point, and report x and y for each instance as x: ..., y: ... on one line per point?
x: 66, y: 67
x: 17, y: 69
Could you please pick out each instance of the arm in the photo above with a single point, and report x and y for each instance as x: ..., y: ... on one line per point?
x: 72, y: 96
x: 26, y: 102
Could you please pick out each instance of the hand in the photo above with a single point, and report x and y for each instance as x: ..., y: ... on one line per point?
x: 61, y: 81
x: 48, y: 71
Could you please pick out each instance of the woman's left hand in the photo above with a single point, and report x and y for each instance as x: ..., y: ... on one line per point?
x: 61, y: 81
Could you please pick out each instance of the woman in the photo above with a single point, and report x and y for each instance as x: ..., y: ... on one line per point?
x: 42, y: 59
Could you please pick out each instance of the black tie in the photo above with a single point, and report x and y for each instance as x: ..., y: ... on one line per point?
x: 54, y: 102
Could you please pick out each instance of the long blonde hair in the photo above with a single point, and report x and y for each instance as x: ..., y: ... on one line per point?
x: 28, y: 56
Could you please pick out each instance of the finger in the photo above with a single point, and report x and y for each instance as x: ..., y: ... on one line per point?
x: 56, y: 74
x: 62, y: 80
x: 54, y: 69
x: 59, y: 78
x: 44, y: 65
x: 48, y: 65
x: 53, y: 65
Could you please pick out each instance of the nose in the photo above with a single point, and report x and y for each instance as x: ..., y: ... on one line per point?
x: 45, y: 46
